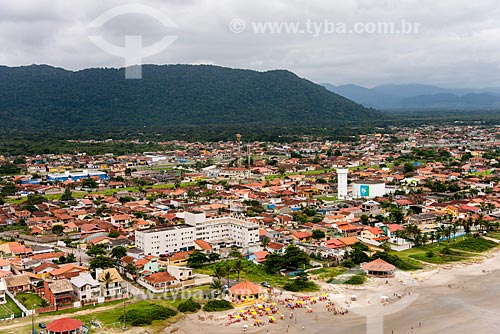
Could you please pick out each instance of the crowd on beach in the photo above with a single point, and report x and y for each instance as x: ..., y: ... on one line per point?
x: 269, y: 312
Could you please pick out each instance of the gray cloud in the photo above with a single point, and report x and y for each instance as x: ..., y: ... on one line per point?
x: 456, y: 46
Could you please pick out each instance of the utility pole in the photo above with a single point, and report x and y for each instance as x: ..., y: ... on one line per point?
x: 238, y: 139
x: 33, y: 320
x: 125, y: 311
x: 124, y: 314
x: 249, y: 159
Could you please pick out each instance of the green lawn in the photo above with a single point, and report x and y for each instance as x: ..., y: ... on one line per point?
x: 327, y: 273
x: 6, y: 308
x: 29, y: 299
x: 476, y: 245
x: 494, y: 234
x: 461, y: 249
x: 326, y: 198
x: 439, y: 258
x: 253, y: 272
x: 87, y: 307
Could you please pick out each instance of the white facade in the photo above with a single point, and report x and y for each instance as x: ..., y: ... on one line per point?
x: 165, y: 240
x: 170, y: 239
x: 368, y: 189
x: 85, y: 287
x: 3, y: 288
x: 242, y: 232
x: 342, y: 183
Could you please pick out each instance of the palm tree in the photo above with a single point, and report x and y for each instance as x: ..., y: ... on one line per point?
x: 216, y: 285
x: 228, y: 270
x: 107, y: 279
x: 265, y: 242
x: 219, y: 271
x: 453, y: 229
x: 212, y: 257
x: 238, y: 267
x: 131, y: 268
x: 432, y: 236
x: 438, y: 234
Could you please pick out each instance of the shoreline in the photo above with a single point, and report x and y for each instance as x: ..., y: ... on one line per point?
x: 424, y: 293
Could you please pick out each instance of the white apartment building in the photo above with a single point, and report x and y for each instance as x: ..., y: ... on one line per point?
x: 226, y: 231
x: 165, y: 239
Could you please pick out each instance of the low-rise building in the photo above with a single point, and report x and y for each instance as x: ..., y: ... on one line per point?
x: 85, y: 287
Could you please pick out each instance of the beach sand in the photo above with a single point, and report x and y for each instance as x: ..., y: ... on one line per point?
x: 454, y: 299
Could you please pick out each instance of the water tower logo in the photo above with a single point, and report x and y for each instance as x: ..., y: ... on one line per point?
x: 364, y: 190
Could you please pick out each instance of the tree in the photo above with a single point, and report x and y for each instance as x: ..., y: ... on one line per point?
x: 96, y: 250
x: 118, y: 252
x: 216, y: 285
x: 113, y: 234
x: 295, y: 257
x: 67, y: 195
x: 309, y: 211
x: 228, y: 270
x: 397, y: 215
x: 235, y: 252
x: 131, y: 268
x: 57, y: 229
x: 265, y: 242
x: 101, y: 261
x: 70, y: 258
x: 219, y: 271
x: 189, y: 306
x: 212, y: 257
x: 107, y: 279
x: 408, y: 168
x: 364, y: 219
x: 196, y: 259
x: 274, y: 262
x: 89, y: 183
x: 238, y: 267
x: 318, y: 234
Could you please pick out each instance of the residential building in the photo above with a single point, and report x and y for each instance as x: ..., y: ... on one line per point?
x: 3, y: 289
x: 85, y: 287
x: 59, y: 292
x: 111, y: 282
x: 224, y: 231
x: 165, y: 239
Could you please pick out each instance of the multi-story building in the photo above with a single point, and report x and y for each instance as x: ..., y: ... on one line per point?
x: 227, y: 230
x: 221, y: 231
x: 165, y: 239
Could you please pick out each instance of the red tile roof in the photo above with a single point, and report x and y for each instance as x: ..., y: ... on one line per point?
x: 64, y: 325
x: 378, y: 265
x: 203, y: 244
x: 246, y: 288
x: 161, y: 277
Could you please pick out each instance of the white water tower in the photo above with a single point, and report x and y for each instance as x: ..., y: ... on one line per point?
x: 342, y: 183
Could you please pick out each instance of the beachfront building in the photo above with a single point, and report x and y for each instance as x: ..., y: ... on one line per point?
x: 225, y: 231
x: 246, y: 292
x: 379, y: 268
x: 165, y: 239
x: 220, y: 232
x: 65, y: 326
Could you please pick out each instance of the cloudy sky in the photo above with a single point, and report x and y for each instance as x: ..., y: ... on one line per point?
x: 457, y: 43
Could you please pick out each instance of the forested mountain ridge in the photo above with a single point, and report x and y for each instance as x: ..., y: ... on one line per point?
x: 40, y: 96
